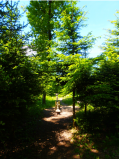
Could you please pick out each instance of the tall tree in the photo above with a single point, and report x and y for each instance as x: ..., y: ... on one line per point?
x: 19, y: 83
x: 42, y: 17
x: 111, y: 44
x: 106, y: 84
x: 68, y: 35
x: 70, y: 40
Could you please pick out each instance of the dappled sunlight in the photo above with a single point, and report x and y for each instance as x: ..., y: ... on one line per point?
x: 58, y: 134
x: 85, y: 146
x: 66, y: 112
x: 64, y: 135
x: 52, y: 150
x: 54, y: 136
x: 94, y: 150
x: 55, y: 119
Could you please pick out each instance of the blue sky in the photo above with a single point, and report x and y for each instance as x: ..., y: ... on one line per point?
x: 99, y: 14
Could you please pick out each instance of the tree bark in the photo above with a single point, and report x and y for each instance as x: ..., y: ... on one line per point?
x: 50, y: 16
x: 44, y: 98
x: 86, y: 108
x: 74, y: 116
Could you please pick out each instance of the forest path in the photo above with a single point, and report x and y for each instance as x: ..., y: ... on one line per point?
x: 55, y: 137
x: 47, y: 138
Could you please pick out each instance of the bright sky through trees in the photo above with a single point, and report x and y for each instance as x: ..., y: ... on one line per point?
x: 99, y: 13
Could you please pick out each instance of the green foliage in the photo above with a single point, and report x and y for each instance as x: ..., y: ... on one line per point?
x: 69, y: 39
x: 43, y: 18
x: 67, y: 99
x: 111, y: 45
x: 73, y: 46
x: 97, y: 133
x: 105, y: 86
x: 19, y: 80
x: 57, y: 65
x: 50, y: 102
x: 78, y: 75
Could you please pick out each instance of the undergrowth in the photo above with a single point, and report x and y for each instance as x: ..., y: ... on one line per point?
x: 98, y: 134
x: 23, y: 133
x: 68, y: 100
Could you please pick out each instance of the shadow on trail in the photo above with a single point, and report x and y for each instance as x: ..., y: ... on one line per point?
x: 48, y: 138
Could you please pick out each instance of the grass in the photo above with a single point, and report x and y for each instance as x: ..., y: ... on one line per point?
x: 68, y: 100
x: 50, y: 102
x: 36, y: 110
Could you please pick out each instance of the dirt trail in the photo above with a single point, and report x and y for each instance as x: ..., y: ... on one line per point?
x: 50, y: 138
x: 56, y: 135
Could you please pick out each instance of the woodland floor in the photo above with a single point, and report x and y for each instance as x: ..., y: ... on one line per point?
x: 56, y: 140
x: 52, y: 138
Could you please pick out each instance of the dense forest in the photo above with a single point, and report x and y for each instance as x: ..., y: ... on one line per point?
x: 61, y: 65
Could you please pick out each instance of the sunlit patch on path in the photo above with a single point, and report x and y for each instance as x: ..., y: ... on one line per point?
x: 58, y: 138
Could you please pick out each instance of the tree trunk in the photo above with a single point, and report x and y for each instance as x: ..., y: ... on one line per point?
x: 50, y: 16
x: 74, y: 116
x: 44, y: 98
x: 86, y: 108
